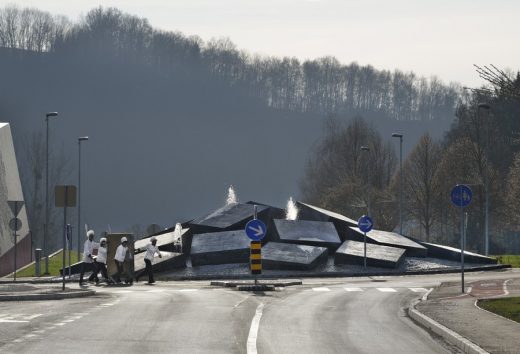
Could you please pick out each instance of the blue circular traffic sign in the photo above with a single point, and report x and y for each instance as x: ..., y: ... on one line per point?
x: 256, y: 230
x: 365, y: 223
x: 461, y: 195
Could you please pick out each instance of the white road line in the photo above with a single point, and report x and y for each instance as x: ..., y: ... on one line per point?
x: 320, y: 289
x: 40, y: 331
x: 30, y: 335
x: 123, y: 291
x: 156, y: 291
x: 353, y: 289
x: 387, y: 290
x: 504, y: 287
x: 253, y: 330
x: 12, y: 321
x: 67, y: 321
x: 33, y: 316
x: 189, y: 290
x: 418, y: 290
x: 59, y: 324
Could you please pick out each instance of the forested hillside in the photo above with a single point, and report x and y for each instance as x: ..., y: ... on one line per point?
x: 173, y: 120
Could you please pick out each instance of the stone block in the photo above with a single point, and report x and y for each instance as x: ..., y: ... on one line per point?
x: 453, y: 254
x: 287, y: 256
x: 314, y: 213
x: 230, y: 217
x: 386, y: 238
x: 306, y: 232
x: 352, y: 252
x: 220, y: 248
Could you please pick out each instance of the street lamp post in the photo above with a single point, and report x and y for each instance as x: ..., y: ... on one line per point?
x: 486, y: 181
x: 80, y: 139
x: 46, y: 226
x: 400, y: 136
x: 367, y: 149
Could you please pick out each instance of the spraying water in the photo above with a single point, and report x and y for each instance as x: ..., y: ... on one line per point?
x: 231, y: 197
x: 177, y: 233
x: 292, y: 210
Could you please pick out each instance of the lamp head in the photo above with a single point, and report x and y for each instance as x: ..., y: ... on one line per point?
x: 81, y: 138
x: 397, y: 135
x: 484, y: 105
x: 51, y: 114
x: 365, y: 148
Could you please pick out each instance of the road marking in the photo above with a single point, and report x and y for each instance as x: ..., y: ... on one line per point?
x: 189, y: 290
x: 12, y: 321
x: 321, y: 289
x: 123, y: 291
x: 59, y: 324
x: 67, y: 321
x: 387, y: 290
x: 353, y: 289
x: 418, y: 290
x: 40, y: 331
x: 253, y: 330
x: 30, y: 335
x: 156, y: 291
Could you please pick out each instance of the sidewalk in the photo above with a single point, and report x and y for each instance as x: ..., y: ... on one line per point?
x: 21, y: 291
x: 459, y: 313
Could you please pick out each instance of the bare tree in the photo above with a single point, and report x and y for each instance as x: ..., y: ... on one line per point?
x: 421, y: 184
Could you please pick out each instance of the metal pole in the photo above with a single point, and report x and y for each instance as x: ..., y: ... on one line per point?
x: 365, y: 250
x: 64, y: 238
x: 79, y: 194
x: 401, y: 186
x: 46, y: 226
x: 15, y: 228
x: 255, y: 209
x: 69, y: 243
x: 461, y: 240
x: 486, y: 176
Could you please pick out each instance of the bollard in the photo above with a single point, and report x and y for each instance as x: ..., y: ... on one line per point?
x: 37, y: 261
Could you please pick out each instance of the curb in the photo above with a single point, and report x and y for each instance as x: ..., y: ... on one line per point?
x: 54, y: 296
x: 326, y: 274
x: 450, y: 336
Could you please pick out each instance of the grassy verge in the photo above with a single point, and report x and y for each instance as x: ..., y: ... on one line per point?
x: 507, y: 307
x: 513, y: 259
x: 55, y: 264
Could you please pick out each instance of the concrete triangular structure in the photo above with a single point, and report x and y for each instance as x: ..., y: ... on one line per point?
x: 11, y: 189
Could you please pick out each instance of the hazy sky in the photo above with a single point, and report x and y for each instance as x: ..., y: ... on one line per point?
x: 435, y: 37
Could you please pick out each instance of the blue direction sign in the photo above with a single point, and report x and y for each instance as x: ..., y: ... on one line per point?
x: 256, y: 230
x: 461, y: 195
x: 365, y: 223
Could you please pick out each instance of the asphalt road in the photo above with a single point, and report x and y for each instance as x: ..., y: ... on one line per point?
x: 354, y: 315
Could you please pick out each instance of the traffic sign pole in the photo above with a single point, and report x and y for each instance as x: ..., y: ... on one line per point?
x: 15, y: 223
x: 365, y: 250
x: 365, y: 224
x: 461, y: 196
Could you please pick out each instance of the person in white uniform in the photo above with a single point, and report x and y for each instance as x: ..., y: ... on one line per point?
x: 88, y: 250
x: 101, y: 259
x: 151, y: 250
x: 119, y: 258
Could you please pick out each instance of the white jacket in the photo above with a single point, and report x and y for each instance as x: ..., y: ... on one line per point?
x: 150, y: 252
x: 102, y: 255
x: 120, y: 253
x: 88, y: 249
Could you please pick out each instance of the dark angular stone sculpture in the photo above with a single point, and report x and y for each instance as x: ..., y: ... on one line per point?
x: 306, y: 232
x: 413, y: 249
x: 230, y: 217
x: 453, y: 254
x: 341, y: 222
x: 287, y: 256
x: 220, y: 248
x: 352, y: 252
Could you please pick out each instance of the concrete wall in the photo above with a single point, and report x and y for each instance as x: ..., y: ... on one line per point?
x: 11, y: 189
